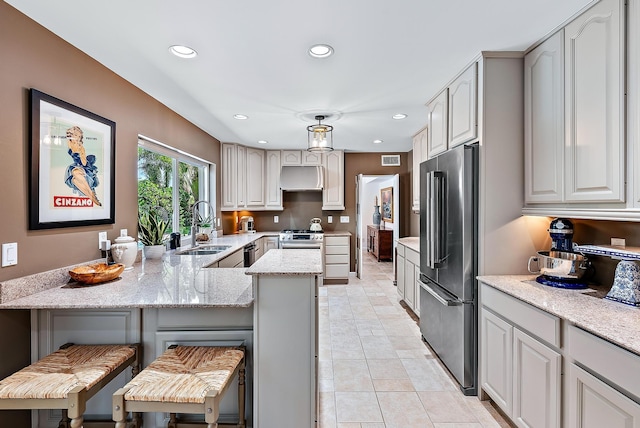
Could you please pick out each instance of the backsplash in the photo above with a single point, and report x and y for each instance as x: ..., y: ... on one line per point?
x: 299, y: 209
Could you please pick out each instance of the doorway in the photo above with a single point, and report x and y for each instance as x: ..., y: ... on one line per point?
x: 368, y: 188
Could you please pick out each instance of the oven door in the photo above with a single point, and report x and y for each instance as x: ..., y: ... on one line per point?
x: 300, y: 244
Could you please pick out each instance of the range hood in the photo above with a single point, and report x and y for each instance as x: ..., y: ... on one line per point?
x: 297, y: 178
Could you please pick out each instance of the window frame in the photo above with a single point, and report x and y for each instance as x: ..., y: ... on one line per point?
x: 206, y: 180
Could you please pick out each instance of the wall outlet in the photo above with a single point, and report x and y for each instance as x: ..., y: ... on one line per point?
x: 102, y: 236
x: 276, y: 219
x: 330, y: 219
x: 9, y: 254
x: 618, y: 242
x: 344, y: 219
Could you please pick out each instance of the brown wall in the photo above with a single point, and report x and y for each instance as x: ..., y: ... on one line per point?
x: 36, y: 58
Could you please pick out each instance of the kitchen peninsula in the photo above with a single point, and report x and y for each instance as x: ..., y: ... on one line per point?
x: 270, y: 308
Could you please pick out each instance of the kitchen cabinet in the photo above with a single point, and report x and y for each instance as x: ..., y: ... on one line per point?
x: 273, y: 193
x: 337, y: 257
x: 54, y: 328
x: 243, y: 177
x: 602, y: 383
x: 408, y: 276
x: 520, y: 359
x: 259, y: 248
x: 462, y: 108
x: 437, y: 113
x: 270, y: 243
x: 544, y: 124
x: 333, y: 191
x: 575, y: 158
x: 301, y: 157
x: 419, y: 155
x: 380, y: 242
x: 233, y: 260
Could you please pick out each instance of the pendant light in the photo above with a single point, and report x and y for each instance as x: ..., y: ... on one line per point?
x: 320, y: 136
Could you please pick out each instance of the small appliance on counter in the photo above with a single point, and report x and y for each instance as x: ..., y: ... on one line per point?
x: 246, y: 224
x: 560, y: 267
x: 315, y: 225
x: 626, y: 280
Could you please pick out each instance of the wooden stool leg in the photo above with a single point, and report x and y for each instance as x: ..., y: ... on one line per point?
x: 77, y: 422
x: 64, y: 422
x: 172, y: 421
x: 119, y: 414
x: 241, y: 396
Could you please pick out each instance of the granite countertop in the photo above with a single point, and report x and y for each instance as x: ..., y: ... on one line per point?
x: 613, y: 321
x: 173, y: 281
x: 288, y: 262
x: 412, y: 242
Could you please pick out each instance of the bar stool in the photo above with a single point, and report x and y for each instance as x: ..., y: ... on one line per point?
x: 67, y: 378
x: 184, y: 379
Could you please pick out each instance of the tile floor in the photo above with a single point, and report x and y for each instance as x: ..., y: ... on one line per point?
x: 374, y: 369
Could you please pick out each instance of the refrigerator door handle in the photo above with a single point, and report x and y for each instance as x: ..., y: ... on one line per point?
x: 435, y: 187
x: 440, y: 297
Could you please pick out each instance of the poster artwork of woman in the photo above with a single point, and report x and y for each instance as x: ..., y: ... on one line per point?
x: 81, y: 175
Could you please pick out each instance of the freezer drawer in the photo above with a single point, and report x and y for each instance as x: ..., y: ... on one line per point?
x: 449, y: 327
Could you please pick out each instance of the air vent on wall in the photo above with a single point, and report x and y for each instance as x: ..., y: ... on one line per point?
x: 390, y: 160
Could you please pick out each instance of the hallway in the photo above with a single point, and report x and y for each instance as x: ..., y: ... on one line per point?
x: 374, y: 369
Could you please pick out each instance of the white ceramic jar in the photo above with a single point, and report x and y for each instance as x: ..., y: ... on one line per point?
x: 125, y: 251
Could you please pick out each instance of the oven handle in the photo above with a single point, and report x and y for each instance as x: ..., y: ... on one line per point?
x: 291, y: 246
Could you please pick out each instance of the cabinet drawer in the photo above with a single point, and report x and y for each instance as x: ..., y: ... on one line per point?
x: 336, y: 259
x: 336, y: 240
x: 610, y: 361
x: 336, y: 249
x: 537, y: 322
x: 400, y: 248
x: 336, y: 271
x: 412, y: 256
x: 232, y: 260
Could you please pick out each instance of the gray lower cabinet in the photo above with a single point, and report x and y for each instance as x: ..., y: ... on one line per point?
x: 519, y: 369
x: 55, y: 327
x: 539, y: 380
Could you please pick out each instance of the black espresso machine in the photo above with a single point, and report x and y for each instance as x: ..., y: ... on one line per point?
x: 561, y: 266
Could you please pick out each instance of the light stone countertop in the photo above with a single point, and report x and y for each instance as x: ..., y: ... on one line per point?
x: 613, y: 321
x: 174, y: 281
x: 412, y: 242
x: 288, y: 262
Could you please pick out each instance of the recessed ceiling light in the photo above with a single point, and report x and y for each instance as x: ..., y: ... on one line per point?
x: 183, y: 51
x: 377, y: 141
x: 399, y: 116
x: 240, y: 116
x: 320, y: 51
x: 262, y: 141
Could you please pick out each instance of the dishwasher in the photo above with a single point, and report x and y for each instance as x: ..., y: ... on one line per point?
x: 250, y: 254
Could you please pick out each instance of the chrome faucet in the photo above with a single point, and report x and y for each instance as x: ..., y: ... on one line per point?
x: 194, y: 220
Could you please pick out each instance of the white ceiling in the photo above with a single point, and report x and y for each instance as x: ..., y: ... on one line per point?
x: 391, y: 56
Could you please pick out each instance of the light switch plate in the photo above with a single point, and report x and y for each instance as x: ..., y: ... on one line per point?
x: 330, y: 219
x: 276, y: 218
x: 344, y: 219
x: 9, y: 254
x: 102, y: 236
x: 618, y: 242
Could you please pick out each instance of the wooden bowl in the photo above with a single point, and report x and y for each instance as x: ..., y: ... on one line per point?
x: 96, y: 273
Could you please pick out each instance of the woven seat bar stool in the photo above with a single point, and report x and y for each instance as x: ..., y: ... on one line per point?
x: 67, y: 378
x: 184, y: 379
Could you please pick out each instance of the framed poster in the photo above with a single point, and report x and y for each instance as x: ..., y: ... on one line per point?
x: 386, y: 199
x: 72, y: 177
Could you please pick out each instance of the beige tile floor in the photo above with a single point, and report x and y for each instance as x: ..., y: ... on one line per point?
x: 374, y: 369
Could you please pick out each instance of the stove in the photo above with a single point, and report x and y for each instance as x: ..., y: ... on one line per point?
x: 300, y: 238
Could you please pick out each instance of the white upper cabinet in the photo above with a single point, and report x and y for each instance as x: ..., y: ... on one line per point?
x: 544, y: 121
x: 333, y: 192
x: 255, y: 177
x: 419, y: 156
x: 437, y: 125
x: 273, y: 193
x: 229, y: 175
x: 311, y: 158
x: 594, y: 105
x: 291, y: 157
x: 463, y: 108
x: 241, y: 176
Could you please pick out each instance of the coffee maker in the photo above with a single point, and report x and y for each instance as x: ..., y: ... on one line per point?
x: 246, y: 224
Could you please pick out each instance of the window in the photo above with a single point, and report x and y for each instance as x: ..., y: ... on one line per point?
x: 170, y: 181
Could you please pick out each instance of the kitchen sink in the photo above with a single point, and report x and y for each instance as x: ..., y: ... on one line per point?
x: 204, y: 250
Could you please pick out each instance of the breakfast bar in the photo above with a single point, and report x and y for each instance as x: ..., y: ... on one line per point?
x: 180, y: 300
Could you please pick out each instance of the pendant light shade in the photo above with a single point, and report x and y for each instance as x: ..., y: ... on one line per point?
x: 320, y: 136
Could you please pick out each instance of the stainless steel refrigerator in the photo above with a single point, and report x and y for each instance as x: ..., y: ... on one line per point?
x: 449, y: 262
